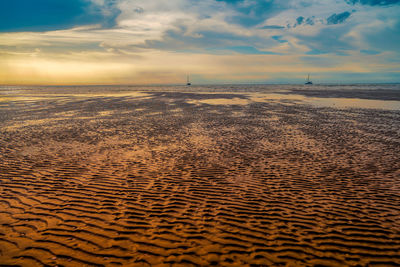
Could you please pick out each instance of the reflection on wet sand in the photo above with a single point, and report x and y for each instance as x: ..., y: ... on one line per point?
x: 292, y: 99
x: 356, y: 103
x: 328, y: 102
x: 187, y: 179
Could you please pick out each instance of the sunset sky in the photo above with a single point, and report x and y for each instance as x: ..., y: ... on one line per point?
x: 215, y: 41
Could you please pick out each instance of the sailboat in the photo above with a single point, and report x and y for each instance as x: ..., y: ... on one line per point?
x: 308, y: 80
x: 188, y: 82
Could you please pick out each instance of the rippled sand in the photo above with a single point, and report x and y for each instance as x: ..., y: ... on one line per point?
x: 186, y: 179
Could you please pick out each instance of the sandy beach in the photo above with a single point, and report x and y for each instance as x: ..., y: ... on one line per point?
x: 199, y: 177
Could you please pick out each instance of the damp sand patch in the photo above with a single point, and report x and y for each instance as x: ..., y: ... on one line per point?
x: 221, y: 101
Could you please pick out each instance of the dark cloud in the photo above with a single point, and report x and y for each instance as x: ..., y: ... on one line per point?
x: 303, y: 21
x: 272, y: 27
x: 374, y: 2
x: 300, y: 20
x: 338, y: 18
x: 310, y: 21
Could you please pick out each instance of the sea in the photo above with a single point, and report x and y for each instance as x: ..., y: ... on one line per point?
x: 370, y: 96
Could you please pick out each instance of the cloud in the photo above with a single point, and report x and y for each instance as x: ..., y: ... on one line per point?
x: 279, y: 39
x: 316, y: 52
x: 250, y: 13
x: 374, y: 2
x: 333, y: 40
x: 370, y: 52
x: 310, y: 21
x: 249, y: 50
x: 384, y: 35
x: 300, y: 20
x: 303, y: 21
x: 338, y: 18
x: 272, y: 27
x: 215, y: 39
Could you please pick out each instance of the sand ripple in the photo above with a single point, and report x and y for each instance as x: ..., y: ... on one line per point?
x: 160, y: 181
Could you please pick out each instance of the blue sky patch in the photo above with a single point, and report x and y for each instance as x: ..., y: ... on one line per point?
x: 250, y: 13
x: 279, y: 39
x: 46, y: 15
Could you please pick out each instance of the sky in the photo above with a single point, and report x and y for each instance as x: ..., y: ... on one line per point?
x: 59, y: 42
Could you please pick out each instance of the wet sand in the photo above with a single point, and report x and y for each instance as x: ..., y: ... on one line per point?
x: 196, y: 179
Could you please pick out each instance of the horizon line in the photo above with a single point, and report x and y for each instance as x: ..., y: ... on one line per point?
x: 199, y: 84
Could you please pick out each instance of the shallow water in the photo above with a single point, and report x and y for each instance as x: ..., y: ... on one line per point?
x: 371, y: 96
